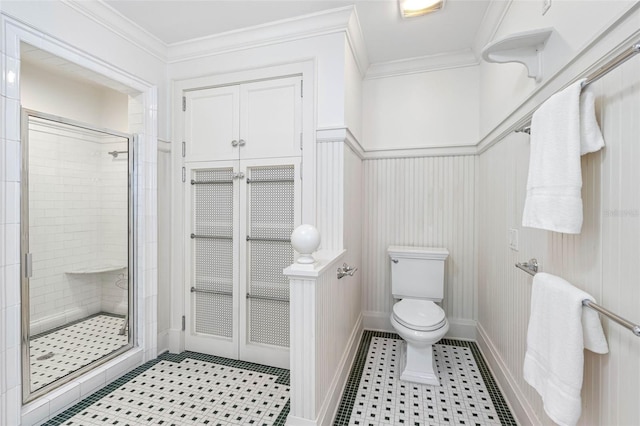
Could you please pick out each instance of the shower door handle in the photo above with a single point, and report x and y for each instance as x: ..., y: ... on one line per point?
x: 28, y: 265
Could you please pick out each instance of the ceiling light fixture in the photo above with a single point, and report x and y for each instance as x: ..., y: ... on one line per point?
x: 413, y: 8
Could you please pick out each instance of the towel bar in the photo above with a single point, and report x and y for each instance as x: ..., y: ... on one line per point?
x: 531, y: 268
x: 596, y: 75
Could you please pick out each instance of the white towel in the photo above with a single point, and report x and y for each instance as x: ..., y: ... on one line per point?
x: 559, y: 329
x: 562, y: 129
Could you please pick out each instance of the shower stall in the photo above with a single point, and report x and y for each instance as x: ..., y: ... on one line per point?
x: 77, y: 249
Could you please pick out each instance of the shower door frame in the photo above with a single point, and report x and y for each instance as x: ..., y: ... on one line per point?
x: 25, y: 264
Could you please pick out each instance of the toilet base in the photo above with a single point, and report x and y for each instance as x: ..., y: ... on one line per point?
x: 418, y: 365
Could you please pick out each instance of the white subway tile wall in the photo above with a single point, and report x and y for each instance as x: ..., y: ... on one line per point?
x: 78, y: 221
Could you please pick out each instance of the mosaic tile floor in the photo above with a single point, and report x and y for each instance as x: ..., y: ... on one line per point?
x: 187, y: 389
x: 374, y: 395
x: 57, y: 353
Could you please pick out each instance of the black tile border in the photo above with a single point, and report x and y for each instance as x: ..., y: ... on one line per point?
x: 282, y: 374
x: 345, y: 408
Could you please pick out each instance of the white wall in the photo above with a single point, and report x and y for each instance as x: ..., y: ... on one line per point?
x: 421, y: 110
x: 78, y: 219
x: 601, y: 259
x: 429, y: 202
x: 575, y: 24
x: 353, y: 94
x: 50, y: 91
x: 78, y: 38
x: 327, y: 51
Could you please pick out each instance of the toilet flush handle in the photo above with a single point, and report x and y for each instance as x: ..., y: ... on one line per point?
x: 394, y: 260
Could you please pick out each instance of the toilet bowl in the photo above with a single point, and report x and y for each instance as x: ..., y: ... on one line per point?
x: 420, y: 323
x: 417, y: 281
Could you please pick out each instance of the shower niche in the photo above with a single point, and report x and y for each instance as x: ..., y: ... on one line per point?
x: 77, y: 249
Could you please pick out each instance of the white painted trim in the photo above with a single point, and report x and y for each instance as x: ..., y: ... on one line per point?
x: 442, y: 61
x: 462, y: 329
x: 435, y: 151
x: 164, y: 146
x: 524, y: 413
x: 340, y: 134
x: 377, y: 321
x: 163, y: 341
x: 299, y: 421
x: 357, y: 43
x: 301, y: 27
x: 491, y: 21
x: 332, y: 401
x: 103, y: 14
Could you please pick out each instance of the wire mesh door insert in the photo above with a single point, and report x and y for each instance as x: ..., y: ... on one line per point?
x: 270, y: 221
x: 212, y: 237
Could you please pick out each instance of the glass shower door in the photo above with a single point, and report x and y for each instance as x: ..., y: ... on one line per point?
x: 77, y: 249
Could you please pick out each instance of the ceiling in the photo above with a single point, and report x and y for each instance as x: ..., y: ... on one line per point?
x: 388, y: 37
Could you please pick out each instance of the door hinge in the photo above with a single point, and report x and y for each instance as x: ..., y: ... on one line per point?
x: 301, y: 170
x: 300, y: 141
x: 301, y: 88
x: 184, y: 103
x: 184, y: 149
x: 184, y: 323
x: 184, y: 174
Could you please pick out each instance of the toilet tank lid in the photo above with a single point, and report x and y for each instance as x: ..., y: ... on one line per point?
x: 436, y: 253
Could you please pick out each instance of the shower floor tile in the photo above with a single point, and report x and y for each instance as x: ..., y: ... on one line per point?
x: 187, y: 389
x: 57, y: 353
x: 374, y: 394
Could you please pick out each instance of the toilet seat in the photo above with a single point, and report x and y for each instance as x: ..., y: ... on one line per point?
x: 419, y: 315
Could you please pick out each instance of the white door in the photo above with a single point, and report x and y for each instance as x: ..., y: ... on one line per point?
x: 212, y: 124
x: 211, y: 260
x: 271, y: 210
x: 270, y: 118
x: 241, y: 215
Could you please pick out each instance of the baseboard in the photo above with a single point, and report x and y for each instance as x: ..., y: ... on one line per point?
x: 175, y: 341
x: 299, y: 421
x: 378, y: 321
x: 459, y: 328
x: 163, y: 341
x: 332, y: 401
x: 327, y: 410
x: 462, y: 329
x: 520, y: 408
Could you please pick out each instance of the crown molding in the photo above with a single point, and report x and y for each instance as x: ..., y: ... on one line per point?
x: 439, y: 62
x: 491, y: 21
x: 301, y: 27
x: 357, y: 44
x: 114, y: 21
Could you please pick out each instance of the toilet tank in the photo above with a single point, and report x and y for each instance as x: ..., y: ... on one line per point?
x: 417, y: 272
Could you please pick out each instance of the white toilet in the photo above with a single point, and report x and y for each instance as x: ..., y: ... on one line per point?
x: 417, y: 278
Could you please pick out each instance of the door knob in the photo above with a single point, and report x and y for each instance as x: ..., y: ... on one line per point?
x: 234, y: 143
x: 242, y: 142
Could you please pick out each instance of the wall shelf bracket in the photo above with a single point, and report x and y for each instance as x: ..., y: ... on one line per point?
x: 525, y: 48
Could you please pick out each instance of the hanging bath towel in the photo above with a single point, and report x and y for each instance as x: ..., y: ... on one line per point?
x: 562, y: 129
x: 559, y: 331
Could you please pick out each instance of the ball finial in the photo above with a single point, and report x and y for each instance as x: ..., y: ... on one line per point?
x: 305, y: 239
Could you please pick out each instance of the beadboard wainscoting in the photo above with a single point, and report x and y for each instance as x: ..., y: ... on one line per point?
x: 427, y: 201
x: 602, y: 260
